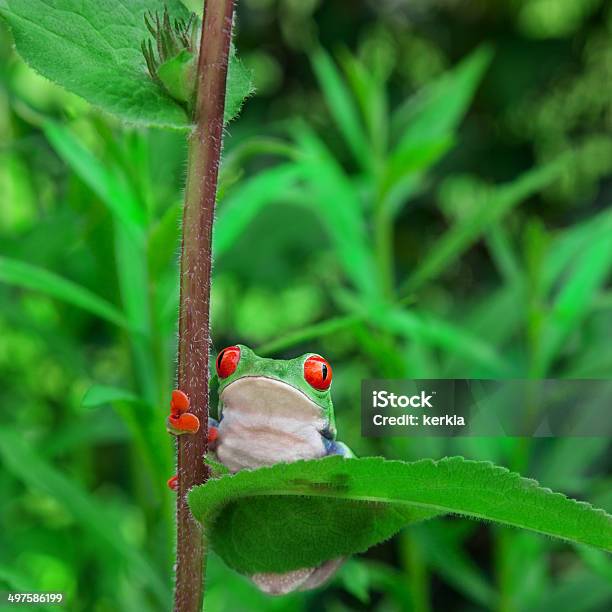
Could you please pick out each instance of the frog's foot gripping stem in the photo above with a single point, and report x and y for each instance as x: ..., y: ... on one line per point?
x: 213, y: 434
x: 181, y: 421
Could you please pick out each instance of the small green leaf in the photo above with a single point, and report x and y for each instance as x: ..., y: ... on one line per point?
x: 239, y: 86
x: 426, y: 124
x: 369, y: 90
x: 300, y: 514
x: 589, y: 274
x: 216, y: 468
x: 355, y: 579
x: 413, y: 159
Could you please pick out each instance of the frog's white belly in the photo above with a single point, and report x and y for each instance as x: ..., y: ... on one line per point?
x: 267, y: 421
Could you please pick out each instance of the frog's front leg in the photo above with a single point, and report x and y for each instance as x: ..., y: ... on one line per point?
x: 334, y: 447
x: 181, y: 421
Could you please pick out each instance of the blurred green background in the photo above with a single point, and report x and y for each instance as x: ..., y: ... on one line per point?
x: 417, y: 189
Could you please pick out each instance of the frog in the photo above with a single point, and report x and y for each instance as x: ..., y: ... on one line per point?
x: 270, y: 411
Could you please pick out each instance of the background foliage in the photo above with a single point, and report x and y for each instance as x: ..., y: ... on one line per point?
x: 418, y: 189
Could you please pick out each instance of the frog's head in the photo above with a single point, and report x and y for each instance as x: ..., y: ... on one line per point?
x: 299, y: 386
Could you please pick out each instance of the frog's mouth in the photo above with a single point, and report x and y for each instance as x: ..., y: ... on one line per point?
x: 269, y: 398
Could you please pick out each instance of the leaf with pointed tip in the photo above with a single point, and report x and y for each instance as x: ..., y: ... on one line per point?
x: 93, y: 49
x: 300, y: 514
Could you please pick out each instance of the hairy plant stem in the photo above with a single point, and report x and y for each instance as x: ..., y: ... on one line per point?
x: 194, y: 323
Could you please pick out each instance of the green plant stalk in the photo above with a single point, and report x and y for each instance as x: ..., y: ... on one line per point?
x: 417, y: 572
x: 503, y: 543
x: 383, y: 230
x: 383, y: 236
x: 196, y: 265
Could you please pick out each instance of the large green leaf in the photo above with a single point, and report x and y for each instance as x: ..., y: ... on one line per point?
x: 295, y: 515
x: 92, y: 48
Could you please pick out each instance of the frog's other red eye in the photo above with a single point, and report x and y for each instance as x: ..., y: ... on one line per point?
x: 227, y: 361
x: 317, y: 372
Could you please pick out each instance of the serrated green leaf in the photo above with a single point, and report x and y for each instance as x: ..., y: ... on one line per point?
x: 321, y: 534
x: 92, y: 48
x: 239, y: 86
x: 299, y: 514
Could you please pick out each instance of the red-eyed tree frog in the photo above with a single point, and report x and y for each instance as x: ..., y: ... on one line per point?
x: 270, y: 411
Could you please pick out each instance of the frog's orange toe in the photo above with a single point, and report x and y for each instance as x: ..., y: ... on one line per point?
x: 179, y: 402
x: 185, y: 423
x: 213, y: 433
x: 173, y: 482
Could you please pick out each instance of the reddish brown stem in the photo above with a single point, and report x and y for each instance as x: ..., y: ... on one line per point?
x: 194, y: 323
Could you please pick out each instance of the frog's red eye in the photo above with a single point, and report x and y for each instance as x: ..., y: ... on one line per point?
x: 317, y: 372
x: 227, y: 360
